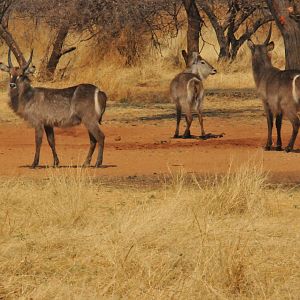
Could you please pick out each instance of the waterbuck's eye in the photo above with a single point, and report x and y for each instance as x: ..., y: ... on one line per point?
x: 203, y: 62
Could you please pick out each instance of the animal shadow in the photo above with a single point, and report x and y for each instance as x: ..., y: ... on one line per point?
x: 202, y: 137
x: 211, y: 136
x: 67, y: 167
x: 274, y: 149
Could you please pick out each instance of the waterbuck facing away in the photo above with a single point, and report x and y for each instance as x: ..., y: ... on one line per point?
x: 280, y: 91
x: 187, y: 90
x: 46, y: 108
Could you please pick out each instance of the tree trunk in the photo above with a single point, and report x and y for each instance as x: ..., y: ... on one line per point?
x: 284, y: 14
x: 194, y: 25
x: 13, y: 46
x: 235, y: 47
x: 224, y: 54
x: 48, y: 73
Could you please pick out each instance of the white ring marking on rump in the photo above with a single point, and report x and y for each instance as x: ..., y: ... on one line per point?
x: 294, y: 91
x: 97, y: 106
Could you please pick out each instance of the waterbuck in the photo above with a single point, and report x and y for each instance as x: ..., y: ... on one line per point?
x: 187, y: 91
x: 46, y: 108
x: 279, y: 90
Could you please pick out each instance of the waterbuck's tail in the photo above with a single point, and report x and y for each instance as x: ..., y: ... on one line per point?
x: 100, y: 103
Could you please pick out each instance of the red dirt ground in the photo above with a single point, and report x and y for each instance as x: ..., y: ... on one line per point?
x: 136, y: 149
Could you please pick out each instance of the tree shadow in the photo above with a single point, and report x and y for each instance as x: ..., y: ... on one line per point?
x: 222, y: 113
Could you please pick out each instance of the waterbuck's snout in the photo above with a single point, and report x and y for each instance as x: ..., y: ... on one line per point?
x: 213, y: 71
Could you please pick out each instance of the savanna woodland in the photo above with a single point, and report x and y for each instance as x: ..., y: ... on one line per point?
x: 211, y: 211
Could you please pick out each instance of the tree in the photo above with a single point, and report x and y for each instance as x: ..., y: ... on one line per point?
x: 287, y: 16
x: 229, y: 25
x: 5, y: 9
x: 60, y: 16
x: 121, y: 23
x: 194, y: 25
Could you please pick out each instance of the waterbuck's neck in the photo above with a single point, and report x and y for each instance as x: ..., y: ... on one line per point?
x: 20, y: 95
x: 14, y: 99
x: 261, y: 67
x: 194, y: 69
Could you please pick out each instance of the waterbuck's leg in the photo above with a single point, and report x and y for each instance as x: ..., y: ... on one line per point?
x: 278, y: 128
x: 270, y: 127
x: 93, y: 143
x: 38, y: 143
x: 295, y: 123
x: 189, y: 119
x: 99, y: 136
x: 200, y: 117
x: 51, y: 141
x: 178, y: 119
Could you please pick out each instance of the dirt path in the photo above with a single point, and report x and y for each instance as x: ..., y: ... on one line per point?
x: 135, y: 149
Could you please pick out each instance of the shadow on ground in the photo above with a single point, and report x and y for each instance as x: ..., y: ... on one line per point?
x: 226, y: 113
x: 67, y: 167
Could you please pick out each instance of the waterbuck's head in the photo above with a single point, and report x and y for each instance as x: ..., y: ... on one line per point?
x: 260, y: 52
x: 18, y: 75
x: 198, y: 65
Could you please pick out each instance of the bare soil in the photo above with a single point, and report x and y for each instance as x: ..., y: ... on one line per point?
x: 138, y: 148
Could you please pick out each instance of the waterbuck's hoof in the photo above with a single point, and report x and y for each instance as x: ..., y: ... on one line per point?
x: 176, y: 136
x: 278, y: 148
x: 288, y: 149
x: 187, y: 135
x: 56, y: 164
x: 33, y: 166
x: 98, y: 165
x: 268, y: 148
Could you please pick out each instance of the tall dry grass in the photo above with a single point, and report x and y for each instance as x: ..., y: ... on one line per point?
x: 73, y: 236
x: 146, y: 81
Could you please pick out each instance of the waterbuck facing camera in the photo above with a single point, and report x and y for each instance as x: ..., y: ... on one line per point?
x: 279, y: 90
x: 46, y: 108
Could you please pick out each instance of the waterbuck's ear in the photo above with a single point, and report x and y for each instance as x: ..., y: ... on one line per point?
x: 4, y: 67
x: 270, y: 46
x: 250, y: 44
x: 30, y: 70
x: 185, y: 56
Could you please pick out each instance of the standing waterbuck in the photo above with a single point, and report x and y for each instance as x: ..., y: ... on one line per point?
x: 187, y: 90
x: 46, y: 108
x: 279, y: 90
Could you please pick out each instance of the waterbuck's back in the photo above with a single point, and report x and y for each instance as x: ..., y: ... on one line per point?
x: 64, y: 107
x: 185, y: 89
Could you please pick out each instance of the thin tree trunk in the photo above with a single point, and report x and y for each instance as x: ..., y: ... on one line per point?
x: 194, y: 25
x: 13, y: 46
x: 48, y: 73
x: 290, y: 30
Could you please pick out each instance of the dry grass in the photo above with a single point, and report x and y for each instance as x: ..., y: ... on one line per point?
x: 72, y: 236
x: 149, y: 79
